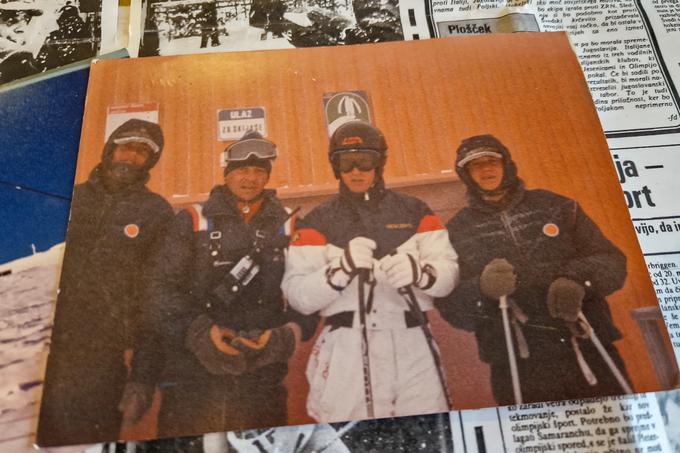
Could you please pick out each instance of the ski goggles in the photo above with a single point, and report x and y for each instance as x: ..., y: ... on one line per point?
x: 258, y: 148
x: 362, y: 160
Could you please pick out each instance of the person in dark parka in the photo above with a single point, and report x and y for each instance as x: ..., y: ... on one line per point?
x: 115, y: 226
x: 226, y: 350
x: 551, y: 260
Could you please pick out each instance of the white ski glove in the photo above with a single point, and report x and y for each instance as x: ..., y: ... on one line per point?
x: 358, y: 255
x: 401, y: 269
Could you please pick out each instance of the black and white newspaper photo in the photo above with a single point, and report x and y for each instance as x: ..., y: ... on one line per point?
x: 175, y: 27
x: 39, y: 35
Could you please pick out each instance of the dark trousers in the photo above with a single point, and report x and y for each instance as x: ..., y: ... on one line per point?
x: 80, y: 400
x: 211, y: 34
x: 188, y: 409
x: 557, y: 376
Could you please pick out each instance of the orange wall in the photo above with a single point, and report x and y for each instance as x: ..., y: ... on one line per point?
x: 426, y: 96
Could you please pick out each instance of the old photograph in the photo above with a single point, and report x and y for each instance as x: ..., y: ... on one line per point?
x: 329, y: 235
x: 175, y: 27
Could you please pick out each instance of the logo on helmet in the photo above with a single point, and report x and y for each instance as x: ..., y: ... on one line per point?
x: 353, y: 140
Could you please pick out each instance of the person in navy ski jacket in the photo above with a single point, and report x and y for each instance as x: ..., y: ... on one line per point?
x: 543, y: 251
x: 222, y: 353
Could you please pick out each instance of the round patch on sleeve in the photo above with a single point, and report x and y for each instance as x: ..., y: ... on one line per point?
x: 131, y: 230
x: 551, y: 230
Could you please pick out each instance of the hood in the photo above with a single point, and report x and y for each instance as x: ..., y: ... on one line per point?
x: 137, y: 130
x: 490, y: 145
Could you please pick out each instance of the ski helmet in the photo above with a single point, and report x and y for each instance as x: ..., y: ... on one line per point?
x: 485, y: 146
x: 251, y: 150
x: 357, y: 136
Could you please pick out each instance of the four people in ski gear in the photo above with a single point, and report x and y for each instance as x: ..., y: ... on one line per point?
x: 209, y: 292
x: 115, y: 229
x: 555, y: 266
x: 348, y: 260
x: 221, y: 329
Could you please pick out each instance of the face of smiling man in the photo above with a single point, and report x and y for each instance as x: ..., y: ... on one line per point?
x: 486, y: 172
x: 247, y: 183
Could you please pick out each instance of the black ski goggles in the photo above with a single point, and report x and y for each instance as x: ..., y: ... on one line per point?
x: 363, y: 160
x: 257, y: 148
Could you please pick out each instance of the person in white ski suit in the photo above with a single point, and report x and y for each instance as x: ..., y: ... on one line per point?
x: 369, y: 234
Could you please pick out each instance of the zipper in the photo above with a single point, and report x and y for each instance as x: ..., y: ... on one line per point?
x: 509, y: 230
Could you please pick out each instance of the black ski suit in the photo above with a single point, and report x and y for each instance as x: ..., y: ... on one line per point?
x: 111, y: 237
x: 183, y: 288
x: 544, y: 236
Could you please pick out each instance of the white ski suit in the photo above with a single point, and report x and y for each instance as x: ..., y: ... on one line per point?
x: 404, y: 377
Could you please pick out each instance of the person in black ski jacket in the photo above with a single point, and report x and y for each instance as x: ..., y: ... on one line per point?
x: 551, y: 260
x: 114, y: 230
x: 226, y: 332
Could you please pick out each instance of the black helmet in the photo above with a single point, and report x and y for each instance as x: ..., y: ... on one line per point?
x: 357, y: 136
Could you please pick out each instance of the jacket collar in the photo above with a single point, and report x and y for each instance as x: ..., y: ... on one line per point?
x: 510, y: 200
x: 96, y: 180
x: 367, y: 199
x: 222, y: 202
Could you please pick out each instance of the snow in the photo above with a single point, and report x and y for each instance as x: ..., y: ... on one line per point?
x: 241, y: 37
x: 25, y: 325
x: 28, y: 296
x: 51, y: 257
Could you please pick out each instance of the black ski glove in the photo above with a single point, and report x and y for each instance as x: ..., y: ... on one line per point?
x: 565, y: 299
x: 211, y: 346
x: 498, y: 279
x: 271, y: 346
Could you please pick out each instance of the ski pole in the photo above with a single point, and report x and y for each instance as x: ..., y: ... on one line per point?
x: 364, y: 276
x: 412, y: 303
x: 605, y: 355
x: 514, y: 372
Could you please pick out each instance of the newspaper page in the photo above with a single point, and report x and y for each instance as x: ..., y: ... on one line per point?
x: 615, y: 424
x: 628, y: 49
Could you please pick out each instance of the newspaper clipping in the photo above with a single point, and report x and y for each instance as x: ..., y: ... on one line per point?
x: 38, y: 35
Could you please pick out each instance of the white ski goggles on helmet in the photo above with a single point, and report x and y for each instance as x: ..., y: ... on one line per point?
x: 258, y: 148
